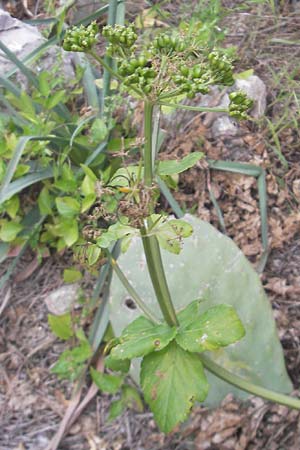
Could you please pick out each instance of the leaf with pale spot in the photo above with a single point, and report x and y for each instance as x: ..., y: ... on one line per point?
x: 142, y: 337
x: 217, y: 327
x: 172, y: 380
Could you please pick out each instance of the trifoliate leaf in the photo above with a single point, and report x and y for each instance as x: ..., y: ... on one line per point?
x: 172, y: 380
x: 171, y: 167
x: 142, y: 337
x: 106, y: 383
x: 217, y: 327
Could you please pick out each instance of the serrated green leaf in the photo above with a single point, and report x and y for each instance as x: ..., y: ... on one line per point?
x: 106, y: 383
x: 9, y: 231
x: 117, y: 365
x: 61, y: 326
x: 67, y: 206
x: 116, y: 409
x: 45, y: 202
x: 188, y: 314
x: 172, y: 380
x: 171, y: 167
x: 72, y: 275
x: 218, y: 327
x: 142, y: 337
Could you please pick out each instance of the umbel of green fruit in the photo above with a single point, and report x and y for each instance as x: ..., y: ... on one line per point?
x: 172, y: 65
x: 80, y: 39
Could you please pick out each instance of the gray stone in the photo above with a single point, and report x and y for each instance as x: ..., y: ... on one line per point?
x: 256, y: 89
x: 62, y: 299
x: 224, y: 126
x: 22, y: 39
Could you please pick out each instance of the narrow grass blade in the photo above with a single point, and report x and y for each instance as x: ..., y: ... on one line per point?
x: 169, y: 197
x: 90, y: 87
x: 80, y: 126
x: 21, y: 183
x: 259, y: 173
x: 218, y: 210
x: 262, y: 191
x: 101, y: 148
x: 193, y: 108
x: 235, y: 167
x: 4, y: 248
x: 11, y: 168
x: 11, y: 87
x: 277, y: 147
x: 102, y: 285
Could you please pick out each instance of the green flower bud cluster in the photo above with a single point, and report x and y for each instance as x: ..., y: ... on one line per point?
x: 138, y: 72
x: 221, y: 68
x: 239, y: 105
x: 120, y: 35
x: 166, y: 43
x: 80, y: 39
x: 192, y: 80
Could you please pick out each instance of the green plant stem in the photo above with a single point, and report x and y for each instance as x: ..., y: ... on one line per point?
x: 193, y: 108
x: 158, y: 278
x: 111, y: 71
x: 105, y: 65
x: 130, y: 289
x: 148, y: 164
x: 245, y: 385
x: 150, y: 243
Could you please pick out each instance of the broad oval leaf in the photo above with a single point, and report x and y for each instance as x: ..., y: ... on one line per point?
x: 172, y: 380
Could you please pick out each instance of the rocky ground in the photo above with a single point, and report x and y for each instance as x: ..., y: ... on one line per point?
x: 33, y: 402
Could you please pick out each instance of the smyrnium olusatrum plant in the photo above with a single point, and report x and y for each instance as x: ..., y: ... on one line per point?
x: 171, y: 68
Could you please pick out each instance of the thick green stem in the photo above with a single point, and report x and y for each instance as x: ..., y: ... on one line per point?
x: 130, y: 289
x: 150, y: 243
x: 148, y: 112
x: 245, y: 385
x: 158, y: 278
